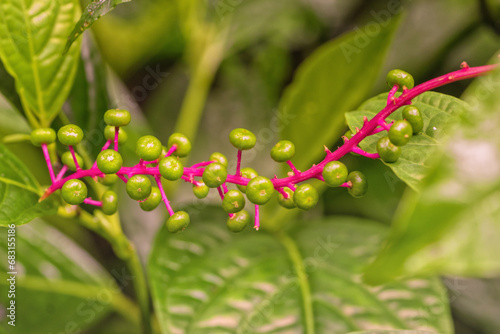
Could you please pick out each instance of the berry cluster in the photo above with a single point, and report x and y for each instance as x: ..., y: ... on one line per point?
x: 162, y: 163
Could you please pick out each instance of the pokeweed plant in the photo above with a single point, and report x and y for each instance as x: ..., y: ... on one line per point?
x: 206, y: 279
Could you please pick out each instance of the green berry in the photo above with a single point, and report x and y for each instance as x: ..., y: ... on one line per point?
x: 148, y: 148
x: 214, y: 175
x: 400, y: 133
x: 259, y: 190
x: 335, y: 173
x: 109, y: 133
x: 109, y: 161
x: 74, y: 191
x: 414, y: 117
x: 67, y: 159
x: 306, y: 196
x: 138, y: 187
x: 249, y: 173
x: 152, y: 201
x: 349, y: 134
x: 218, y: 157
x: 70, y: 134
x: 387, y: 150
x: 177, y: 222
x: 109, y: 179
x: 117, y: 117
x: 242, y: 139
x: 400, y: 78
x: 109, y: 202
x: 182, y: 142
x: 359, y: 185
x: 171, y: 168
x: 233, y: 201
x: 200, y: 190
x: 238, y: 221
x: 287, y: 203
x: 283, y: 151
x: 42, y: 136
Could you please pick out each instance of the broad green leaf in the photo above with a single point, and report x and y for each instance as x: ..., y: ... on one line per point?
x: 32, y: 38
x: 19, y: 192
x: 336, y: 78
x: 207, y: 279
x: 453, y: 226
x: 93, y: 12
x: 439, y: 112
x: 8, y: 89
x: 58, y: 285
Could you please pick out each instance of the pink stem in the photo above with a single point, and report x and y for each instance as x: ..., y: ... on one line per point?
x: 392, y: 92
x: 90, y: 201
x: 188, y: 179
x: 359, y: 151
x: 384, y: 125
x: 256, y: 225
x: 117, y: 130
x: 238, y: 163
x: 171, y: 150
x: 377, y: 130
x: 221, y: 193
x: 295, y: 170
x: 123, y: 178
x: 224, y: 187
x: 61, y: 172
x: 346, y: 185
x: 49, y: 163
x: 163, y: 196
x: 202, y: 164
x: 72, y: 150
x: 283, y: 192
x: 291, y: 186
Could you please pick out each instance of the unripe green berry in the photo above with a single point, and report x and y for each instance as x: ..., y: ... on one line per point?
x: 138, y: 187
x: 109, y: 202
x: 70, y: 134
x: 305, y: 196
x: 214, y: 175
x: 287, y: 203
x: 218, y: 157
x: 249, y: 173
x: 242, y: 139
x: 109, y: 161
x: 117, y: 117
x: 387, y: 150
x: 148, y: 148
x: 414, y: 117
x: 400, y: 78
x: 152, y: 201
x: 200, y: 190
x: 74, y: 191
x: 182, y: 142
x: 259, y: 190
x: 177, y: 222
x: 233, y: 201
x: 358, y: 182
x: 109, y: 179
x: 109, y: 133
x: 283, y: 151
x: 170, y: 168
x: 238, y: 221
x: 67, y: 159
x: 400, y: 133
x: 335, y: 173
x: 42, y: 136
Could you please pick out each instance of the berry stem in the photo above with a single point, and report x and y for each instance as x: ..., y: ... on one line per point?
x: 221, y: 193
x: 346, y: 184
x: 283, y: 192
x: 171, y: 150
x: 238, y: 163
x: 163, y: 196
x: 72, y: 150
x: 202, y: 164
x: 49, y: 163
x: 61, y: 173
x: 256, y: 225
x: 292, y: 166
x: 117, y: 130
x: 359, y: 151
x: 90, y: 201
x: 392, y: 92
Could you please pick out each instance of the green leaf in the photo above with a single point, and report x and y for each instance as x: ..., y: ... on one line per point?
x: 54, y: 277
x: 8, y: 89
x: 94, y: 11
x: 32, y: 37
x: 336, y: 78
x: 439, y: 112
x: 207, y: 279
x: 453, y: 226
x: 19, y: 192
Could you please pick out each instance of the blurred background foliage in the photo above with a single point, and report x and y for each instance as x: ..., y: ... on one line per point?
x: 234, y: 58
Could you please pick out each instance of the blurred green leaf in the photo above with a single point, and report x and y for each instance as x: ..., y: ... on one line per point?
x: 392, y: 332
x: 58, y: 285
x: 93, y: 12
x: 8, y: 88
x: 207, y: 279
x: 20, y: 192
x: 32, y: 37
x: 334, y: 79
x: 453, y: 226
x: 439, y: 112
